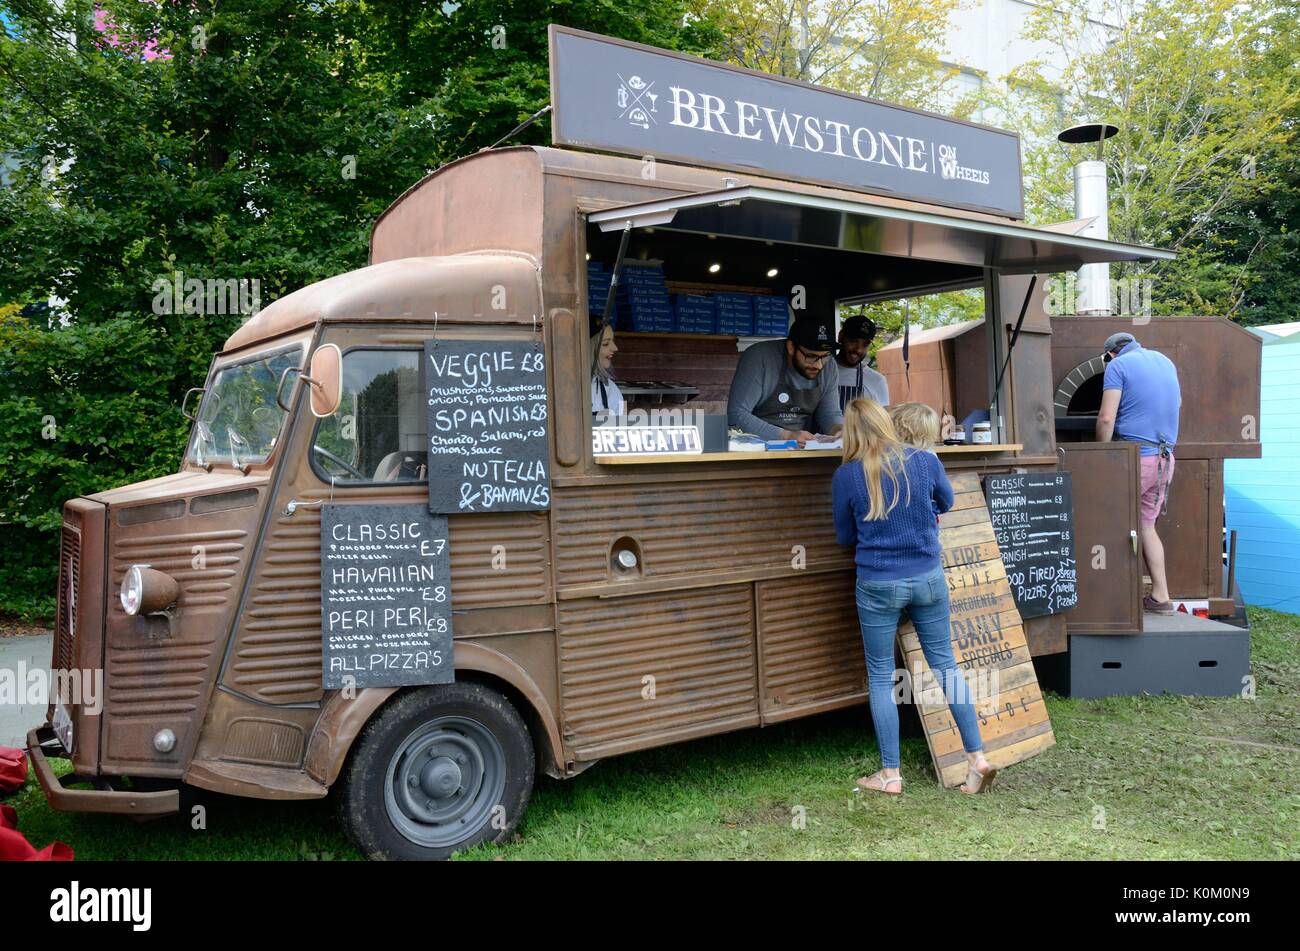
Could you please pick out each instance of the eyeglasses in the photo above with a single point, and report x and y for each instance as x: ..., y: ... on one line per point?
x: 812, y: 357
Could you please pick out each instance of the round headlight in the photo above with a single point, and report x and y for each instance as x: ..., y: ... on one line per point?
x: 132, y: 590
x: 146, y: 591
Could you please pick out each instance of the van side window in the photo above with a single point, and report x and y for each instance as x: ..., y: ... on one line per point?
x: 379, y: 433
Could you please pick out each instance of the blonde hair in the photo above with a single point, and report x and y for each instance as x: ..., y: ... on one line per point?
x: 916, y: 424
x: 870, y: 438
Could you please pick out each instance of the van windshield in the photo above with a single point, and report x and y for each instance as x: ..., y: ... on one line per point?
x: 239, y: 420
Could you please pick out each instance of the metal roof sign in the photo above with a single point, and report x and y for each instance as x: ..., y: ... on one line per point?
x: 623, y: 97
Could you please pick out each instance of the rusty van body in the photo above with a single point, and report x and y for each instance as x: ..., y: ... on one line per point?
x: 222, y: 687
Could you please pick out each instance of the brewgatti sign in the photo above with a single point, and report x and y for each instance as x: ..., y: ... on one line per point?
x: 623, y: 97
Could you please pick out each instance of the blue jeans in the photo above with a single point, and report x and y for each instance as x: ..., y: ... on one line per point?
x: 925, y: 597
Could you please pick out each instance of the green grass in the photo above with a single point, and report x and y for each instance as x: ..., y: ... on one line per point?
x: 1129, y: 778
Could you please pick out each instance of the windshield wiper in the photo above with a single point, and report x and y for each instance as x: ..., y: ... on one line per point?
x: 205, y: 439
x: 235, y: 440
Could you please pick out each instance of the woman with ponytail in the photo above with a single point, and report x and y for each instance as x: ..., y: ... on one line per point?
x: 884, y: 498
x: 606, y: 397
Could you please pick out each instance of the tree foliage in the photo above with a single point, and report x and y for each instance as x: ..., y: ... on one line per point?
x: 253, y: 140
x: 885, y: 49
x: 1204, y: 93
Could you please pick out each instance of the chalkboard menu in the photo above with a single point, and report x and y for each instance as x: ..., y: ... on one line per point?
x: 385, y: 596
x: 1033, y: 518
x: 488, y: 447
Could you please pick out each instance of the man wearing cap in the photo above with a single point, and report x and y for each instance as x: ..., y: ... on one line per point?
x: 787, y: 389
x: 1140, y: 402
x: 855, y: 377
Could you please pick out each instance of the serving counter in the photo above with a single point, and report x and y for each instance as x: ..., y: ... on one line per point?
x: 781, y: 455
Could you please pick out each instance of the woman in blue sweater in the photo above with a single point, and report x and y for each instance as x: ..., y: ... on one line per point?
x: 885, y: 497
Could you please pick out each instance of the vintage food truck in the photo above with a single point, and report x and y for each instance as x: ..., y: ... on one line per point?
x: 643, y: 598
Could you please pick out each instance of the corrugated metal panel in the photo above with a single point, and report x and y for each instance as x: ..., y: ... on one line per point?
x: 277, y: 654
x: 164, y: 679
x: 682, y: 526
x: 166, y: 676
x: 811, y: 640
x: 692, y: 650
x: 69, y: 586
x: 1260, y: 494
x: 520, y: 539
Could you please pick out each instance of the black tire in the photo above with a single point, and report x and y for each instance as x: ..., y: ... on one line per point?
x: 438, y: 770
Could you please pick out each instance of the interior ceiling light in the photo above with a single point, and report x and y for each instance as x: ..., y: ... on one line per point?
x: 772, y: 272
x: 715, y: 268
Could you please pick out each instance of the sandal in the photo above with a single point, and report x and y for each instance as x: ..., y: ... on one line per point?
x: 864, y: 782
x: 977, y: 782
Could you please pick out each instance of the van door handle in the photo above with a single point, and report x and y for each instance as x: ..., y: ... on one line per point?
x: 1133, y: 540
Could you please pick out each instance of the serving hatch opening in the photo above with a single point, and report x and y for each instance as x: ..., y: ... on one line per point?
x: 674, y: 366
x: 828, y: 252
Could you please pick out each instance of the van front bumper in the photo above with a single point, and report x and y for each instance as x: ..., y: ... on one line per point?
x: 42, y: 743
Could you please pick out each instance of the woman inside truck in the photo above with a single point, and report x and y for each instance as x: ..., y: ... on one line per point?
x: 884, y: 499
x: 606, y: 398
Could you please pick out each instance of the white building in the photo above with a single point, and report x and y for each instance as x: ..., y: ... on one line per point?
x: 985, y: 42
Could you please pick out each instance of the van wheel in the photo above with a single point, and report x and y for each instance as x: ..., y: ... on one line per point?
x: 440, y: 769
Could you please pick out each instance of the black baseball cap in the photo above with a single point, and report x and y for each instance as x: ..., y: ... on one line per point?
x: 858, y: 327
x: 814, y: 333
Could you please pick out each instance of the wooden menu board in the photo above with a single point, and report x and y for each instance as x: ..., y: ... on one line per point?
x: 988, y: 642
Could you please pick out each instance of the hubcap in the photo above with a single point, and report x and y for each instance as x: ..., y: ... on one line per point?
x: 444, y: 780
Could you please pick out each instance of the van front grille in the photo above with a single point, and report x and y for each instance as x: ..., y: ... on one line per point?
x: 69, y: 581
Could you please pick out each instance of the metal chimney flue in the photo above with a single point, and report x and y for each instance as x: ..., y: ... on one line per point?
x: 1091, y: 200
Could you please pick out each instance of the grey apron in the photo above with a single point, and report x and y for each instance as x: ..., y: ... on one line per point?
x: 795, y: 412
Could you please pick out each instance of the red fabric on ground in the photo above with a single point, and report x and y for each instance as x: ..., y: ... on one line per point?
x: 13, y: 769
x: 14, y: 846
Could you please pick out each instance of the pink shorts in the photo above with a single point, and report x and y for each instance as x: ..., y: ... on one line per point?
x: 1153, y: 492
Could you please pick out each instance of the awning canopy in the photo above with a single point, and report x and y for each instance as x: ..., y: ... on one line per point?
x: 790, y: 217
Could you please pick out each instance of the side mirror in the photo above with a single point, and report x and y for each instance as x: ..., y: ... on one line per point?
x: 279, y: 390
x: 185, y: 403
x: 324, y: 377
x: 326, y: 380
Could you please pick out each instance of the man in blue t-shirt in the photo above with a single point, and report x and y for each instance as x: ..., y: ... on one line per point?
x: 1140, y: 402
